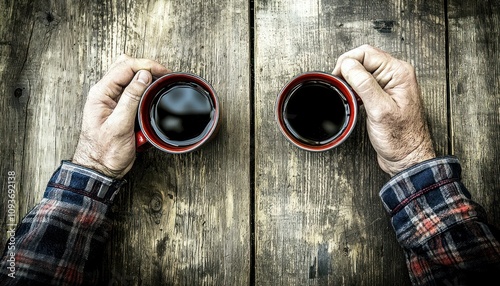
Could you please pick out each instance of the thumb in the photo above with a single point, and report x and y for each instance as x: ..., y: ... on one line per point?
x: 363, y: 83
x: 126, y: 108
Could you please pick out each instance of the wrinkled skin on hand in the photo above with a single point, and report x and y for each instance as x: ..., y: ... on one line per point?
x: 107, y: 139
x: 395, y: 120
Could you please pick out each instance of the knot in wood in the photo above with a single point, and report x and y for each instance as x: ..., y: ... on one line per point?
x: 156, y: 203
x: 18, y: 92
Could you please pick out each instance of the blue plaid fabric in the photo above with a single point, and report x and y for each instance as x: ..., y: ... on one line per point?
x: 444, y: 233
x: 61, y: 240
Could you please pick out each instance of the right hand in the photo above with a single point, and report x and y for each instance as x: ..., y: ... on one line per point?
x: 107, y: 141
x: 391, y: 96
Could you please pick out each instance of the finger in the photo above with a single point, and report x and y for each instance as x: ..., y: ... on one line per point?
x: 126, y: 67
x: 121, y: 74
x: 355, y: 54
x: 370, y: 57
x: 123, y: 116
x: 119, y: 60
x: 365, y: 85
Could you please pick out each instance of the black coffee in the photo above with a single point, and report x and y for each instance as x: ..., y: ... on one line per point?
x: 315, y: 112
x: 182, y: 113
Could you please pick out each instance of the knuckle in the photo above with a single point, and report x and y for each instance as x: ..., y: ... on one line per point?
x: 123, y: 57
x: 366, y: 47
x: 123, y: 60
x: 409, y: 67
x: 99, y: 90
x: 94, y: 91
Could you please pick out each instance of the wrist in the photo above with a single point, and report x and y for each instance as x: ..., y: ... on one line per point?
x: 423, y: 153
x: 89, y: 163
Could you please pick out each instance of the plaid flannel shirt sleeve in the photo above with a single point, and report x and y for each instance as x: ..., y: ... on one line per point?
x: 61, y: 240
x: 444, y: 233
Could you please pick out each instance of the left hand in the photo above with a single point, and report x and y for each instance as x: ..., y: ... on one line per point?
x: 107, y: 141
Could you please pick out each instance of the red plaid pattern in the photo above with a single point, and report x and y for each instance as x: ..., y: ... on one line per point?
x: 444, y: 233
x: 60, y: 241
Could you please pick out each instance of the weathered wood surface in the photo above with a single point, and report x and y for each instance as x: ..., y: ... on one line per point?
x: 474, y: 29
x: 180, y: 219
x: 318, y: 217
x: 188, y: 219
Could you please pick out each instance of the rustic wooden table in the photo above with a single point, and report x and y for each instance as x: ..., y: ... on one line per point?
x: 249, y: 208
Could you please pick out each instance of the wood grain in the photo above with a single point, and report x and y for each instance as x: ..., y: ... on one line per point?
x: 186, y: 220
x: 180, y: 219
x: 14, y: 97
x: 474, y: 29
x: 40, y: 77
x: 319, y: 220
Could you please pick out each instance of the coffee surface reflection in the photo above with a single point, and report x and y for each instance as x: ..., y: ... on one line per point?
x: 182, y: 113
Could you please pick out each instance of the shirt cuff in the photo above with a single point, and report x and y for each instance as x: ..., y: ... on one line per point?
x: 86, y: 182
x: 418, y: 180
x: 427, y: 199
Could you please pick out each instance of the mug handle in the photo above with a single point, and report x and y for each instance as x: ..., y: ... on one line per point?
x: 141, y: 143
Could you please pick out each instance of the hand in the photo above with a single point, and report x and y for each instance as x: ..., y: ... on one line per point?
x: 107, y: 141
x: 391, y: 96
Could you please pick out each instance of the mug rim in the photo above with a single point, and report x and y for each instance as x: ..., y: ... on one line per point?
x: 336, y: 82
x: 147, y: 98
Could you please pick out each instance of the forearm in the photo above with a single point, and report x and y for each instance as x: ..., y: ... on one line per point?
x: 444, y: 233
x: 58, y: 240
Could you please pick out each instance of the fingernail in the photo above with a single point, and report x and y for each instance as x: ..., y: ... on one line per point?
x: 143, y: 77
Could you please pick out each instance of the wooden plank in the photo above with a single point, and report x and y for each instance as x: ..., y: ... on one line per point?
x: 474, y: 28
x: 39, y: 82
x: 14, y: 97
x: 181, y: 219
x: 185, y: 218
x: 318, y: 216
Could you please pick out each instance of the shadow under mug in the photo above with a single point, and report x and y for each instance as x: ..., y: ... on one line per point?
x: 316, y: 111
x: 177, y: 103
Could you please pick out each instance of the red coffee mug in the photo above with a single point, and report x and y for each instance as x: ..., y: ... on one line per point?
x: 305, y: 99
x: 148, y: 135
